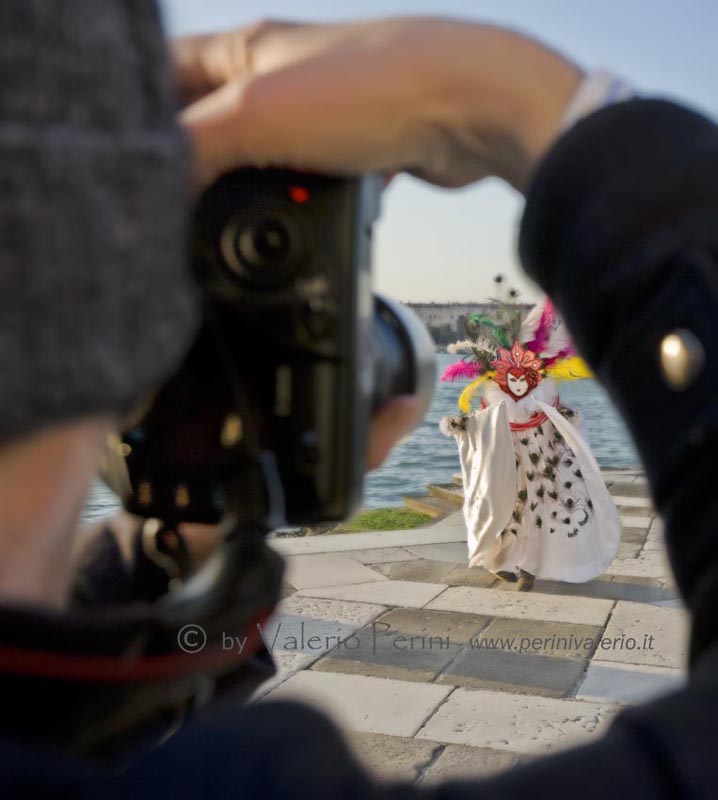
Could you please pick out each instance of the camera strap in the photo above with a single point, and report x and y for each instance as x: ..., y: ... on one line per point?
x: 93, y: 680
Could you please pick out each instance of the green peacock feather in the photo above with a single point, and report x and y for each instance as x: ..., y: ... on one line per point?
x: 492, y: 328
x: 500, y: 328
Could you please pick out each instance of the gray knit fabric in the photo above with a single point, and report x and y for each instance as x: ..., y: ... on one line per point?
x: 96, y: 304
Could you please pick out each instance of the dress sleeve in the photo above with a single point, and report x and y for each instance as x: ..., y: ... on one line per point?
x: 453, y: 426
x: 567, y: 413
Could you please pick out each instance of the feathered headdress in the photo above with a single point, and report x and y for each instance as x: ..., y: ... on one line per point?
x: 543, y: 332
x: 518, y: 362
x: 540, y: 335
x: 486, y: 335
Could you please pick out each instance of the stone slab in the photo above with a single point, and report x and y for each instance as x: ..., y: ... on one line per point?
x: 626, y: 683
x: 286, y: 590
x: 636, y: 511
x: 629, y: 550
x: 633, y: 521
x: 677, y: 603
x: 639, y: 489
x: 635, y: 500
x: 650, y: 564
x: 327, y: 569
x: 287, y: 665
x: 298, y: 634
x: 453, y: 552
x: 638, y: 535
x: 635, y: 568
x: 529, y: 605
x: 665, y: 581
x: 456, y: 520
x: 342, y: 542
x: 370, y: 705
x: 457, y: 762
x: 381, y: 555
x: 656, y: 533
x: 470, y: 576
x: 421, y: 570
x: 636, y: 514
x: 401, y: 670
x: 609, y: 589
x: 594, y: 588
x: 514, y: 672
x: 341, y: 611
x: 458, y: 628
x: 633, y: 471
x: 555, y: 639
x: 396, y: 758
x: 406, y: 644
x: 389, y: 593
x: 377, y: 647
x: 522, y: 724
x: 653, y: 543
x: 658, y: 527
x: 640, y: 633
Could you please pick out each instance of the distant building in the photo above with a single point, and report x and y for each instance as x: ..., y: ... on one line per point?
x: 445, y: 321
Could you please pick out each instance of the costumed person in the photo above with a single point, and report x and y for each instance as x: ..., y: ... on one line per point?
x: 535, y: 504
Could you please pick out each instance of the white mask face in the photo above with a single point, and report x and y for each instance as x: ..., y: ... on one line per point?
x: 518, y: 386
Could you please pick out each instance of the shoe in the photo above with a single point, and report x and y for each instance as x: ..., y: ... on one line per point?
x: 525, y: 581
x: 509, y: 577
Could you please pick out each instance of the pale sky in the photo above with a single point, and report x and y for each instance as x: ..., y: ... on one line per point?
x: 437, y: 245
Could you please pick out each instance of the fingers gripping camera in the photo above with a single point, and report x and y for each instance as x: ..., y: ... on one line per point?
x: 268, y: 416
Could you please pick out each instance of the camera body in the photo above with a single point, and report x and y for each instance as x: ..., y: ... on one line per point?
x: 268, y: 416
x: 265, y: 421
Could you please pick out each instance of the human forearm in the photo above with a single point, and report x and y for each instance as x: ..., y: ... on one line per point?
x: 490, y: 100
x: 450, y: 101
x: 43, y: 483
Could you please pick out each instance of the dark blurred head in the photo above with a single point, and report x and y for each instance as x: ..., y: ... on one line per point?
x: 95, y: 303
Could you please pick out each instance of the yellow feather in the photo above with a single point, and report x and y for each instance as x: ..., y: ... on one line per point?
x: 569, y: 369
x: 469, y: 395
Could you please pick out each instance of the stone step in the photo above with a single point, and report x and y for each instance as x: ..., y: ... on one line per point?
x: 639, y: 490
x: 433, y: 506
x: 619, y: 489
x: 447, y: 492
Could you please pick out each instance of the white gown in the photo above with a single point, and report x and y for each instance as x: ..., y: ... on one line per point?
x: 534, y: 496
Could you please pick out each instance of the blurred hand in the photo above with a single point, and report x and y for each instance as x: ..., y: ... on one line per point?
x: 449, y: 101
x: 395, y: 420
x: 200, y: 540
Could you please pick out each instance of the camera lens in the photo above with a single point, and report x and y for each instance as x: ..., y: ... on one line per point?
x: 262, y: 249
x: 403, y: 354
x: 264, y: 244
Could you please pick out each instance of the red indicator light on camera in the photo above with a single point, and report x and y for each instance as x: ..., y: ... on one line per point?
x: 300, y: 194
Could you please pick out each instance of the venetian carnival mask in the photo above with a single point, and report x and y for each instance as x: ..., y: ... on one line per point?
x: 517, y: 385
x: 518, y: 371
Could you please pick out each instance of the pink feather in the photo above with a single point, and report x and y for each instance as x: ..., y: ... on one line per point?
x: 549, y: 334
x: 462, y: 370
x: 567, y: 352
x: 545, y: 328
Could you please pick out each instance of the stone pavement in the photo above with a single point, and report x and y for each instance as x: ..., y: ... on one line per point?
x: 435, y: 670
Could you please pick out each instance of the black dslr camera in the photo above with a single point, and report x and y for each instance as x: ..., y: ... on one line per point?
x: 267, y: 419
